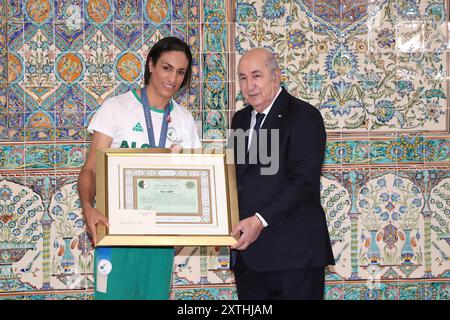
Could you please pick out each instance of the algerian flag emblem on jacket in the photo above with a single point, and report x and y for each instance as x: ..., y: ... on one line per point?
x: 138, y: 127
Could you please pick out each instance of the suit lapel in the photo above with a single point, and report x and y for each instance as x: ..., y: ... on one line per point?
x: 274, y: 118
x: 277, y: 112
x: 244, y: 125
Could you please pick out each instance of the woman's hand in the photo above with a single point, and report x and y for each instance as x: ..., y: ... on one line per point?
x: 92, y: 217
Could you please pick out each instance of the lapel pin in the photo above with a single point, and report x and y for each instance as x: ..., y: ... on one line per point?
x: 279, y: 116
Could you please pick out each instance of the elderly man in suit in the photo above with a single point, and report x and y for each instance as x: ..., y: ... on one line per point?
x: 283, y: 245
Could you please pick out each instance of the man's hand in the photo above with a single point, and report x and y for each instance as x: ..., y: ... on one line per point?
x: 93, y: 216
x: 249, y: 229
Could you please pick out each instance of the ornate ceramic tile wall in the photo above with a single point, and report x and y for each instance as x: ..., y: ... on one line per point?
x: 377, y: 70
x: 369, y: 66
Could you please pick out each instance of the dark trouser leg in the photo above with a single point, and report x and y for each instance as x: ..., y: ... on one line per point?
x: 300, y: 284
x: 303, y: 284
x: 250, y: 285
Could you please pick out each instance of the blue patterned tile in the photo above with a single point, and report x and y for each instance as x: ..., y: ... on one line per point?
x: 128, y: 11
x: 157, y: 12
x: 70, y: 38
x: 14, y: 11
x: 128, y: 36
x: 204, y: 293
x: 70, y: 13
x: 38, y: 12
x: 327, y: 60
x: 99, y: 12
x: 179, y: 11
x: 215, y: 31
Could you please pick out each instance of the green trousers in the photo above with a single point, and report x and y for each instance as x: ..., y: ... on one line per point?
x: 137, y: 274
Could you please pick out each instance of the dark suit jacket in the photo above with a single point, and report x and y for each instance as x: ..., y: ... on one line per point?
x: 297, y: 235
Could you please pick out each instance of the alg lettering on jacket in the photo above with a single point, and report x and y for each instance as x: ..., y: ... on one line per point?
x: 125, y: 144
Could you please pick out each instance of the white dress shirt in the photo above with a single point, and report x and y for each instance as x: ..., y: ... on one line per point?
x: 253, y: 120
x: 252, y: 124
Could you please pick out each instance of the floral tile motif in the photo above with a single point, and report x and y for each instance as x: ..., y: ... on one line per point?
x: 63, y: 62
x: 376, y: 70
x: 3, y: 54
x: 128, y: 11
x: 128, y: 36
x: 56, y: 295
x: 38, y: 12
x: 15, y: 157
x: 71, y: 253
x: 46, y: 57
x: 215, y: 89
x: 69, y: 12
x: 70, y: 37
x: 157, y: 12
x: 202, y: 266
x: 388, y: 77
x: 204, y: 293
x: 179, y: 11
x: 402, y: 149
x: 340, y: 18
x: 342, y: 194
x: 398, y: 232
x: 12, y: 157
x: 391, y: 225
x: 388, y: 291
x: 21, y: 212
x: 44, y: 236
x: 14, y: 11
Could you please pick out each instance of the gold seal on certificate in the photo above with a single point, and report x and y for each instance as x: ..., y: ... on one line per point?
x: 154, y: 197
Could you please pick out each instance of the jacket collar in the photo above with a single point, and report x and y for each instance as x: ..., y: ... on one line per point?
x: 277, y: 112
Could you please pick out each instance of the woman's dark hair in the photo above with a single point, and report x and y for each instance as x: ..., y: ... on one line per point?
x: 164, y: 45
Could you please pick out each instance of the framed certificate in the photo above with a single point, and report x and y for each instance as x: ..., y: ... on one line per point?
x: 153, y: 197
